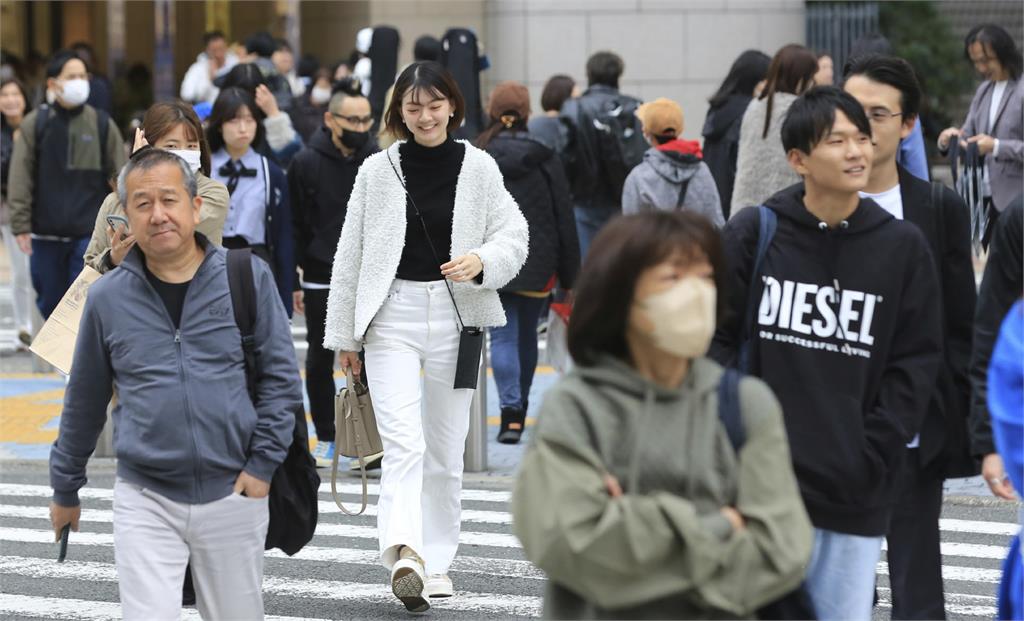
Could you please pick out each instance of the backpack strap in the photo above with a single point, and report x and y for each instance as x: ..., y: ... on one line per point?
x: 103, y: 128
x: 682, y: 193
x: 243, y: 302
x: 42, y: 118
x: 768, y: 222
x: 729, y: 408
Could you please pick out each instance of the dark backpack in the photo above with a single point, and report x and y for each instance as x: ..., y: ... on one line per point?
x: 768, y: 222
x: 460, y: 54
x: 618, y: 136
x: 296, y: 484
x: 797, y: 603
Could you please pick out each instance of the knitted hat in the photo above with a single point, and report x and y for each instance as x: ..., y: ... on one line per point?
x: 661, y: 117
x: 506, y: 98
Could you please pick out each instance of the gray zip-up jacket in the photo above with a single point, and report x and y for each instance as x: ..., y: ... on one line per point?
x: 184, y: 425
x: 657, y: 183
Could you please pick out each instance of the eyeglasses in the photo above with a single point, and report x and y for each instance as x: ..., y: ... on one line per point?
x: 354, y: 120
x: 881, y: 115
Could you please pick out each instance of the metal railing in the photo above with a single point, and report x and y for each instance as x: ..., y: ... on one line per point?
x: 833, y: 27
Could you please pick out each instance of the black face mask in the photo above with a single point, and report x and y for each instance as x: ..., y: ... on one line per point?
x: 354, y: 140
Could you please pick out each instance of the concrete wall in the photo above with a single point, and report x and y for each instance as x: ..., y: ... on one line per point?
x: 679, y: 49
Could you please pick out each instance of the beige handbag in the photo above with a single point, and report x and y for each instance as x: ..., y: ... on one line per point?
x: 355, y: 431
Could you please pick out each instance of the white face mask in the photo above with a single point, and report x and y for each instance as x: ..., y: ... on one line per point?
x: 320, y: 96
x: 75, y: 92
x: 683, y: 317
x: 192, y: 158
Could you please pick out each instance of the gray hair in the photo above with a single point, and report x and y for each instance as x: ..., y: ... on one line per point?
x: 151, y: 158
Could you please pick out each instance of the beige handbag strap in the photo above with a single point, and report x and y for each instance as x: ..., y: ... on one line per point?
x: 352, y: 401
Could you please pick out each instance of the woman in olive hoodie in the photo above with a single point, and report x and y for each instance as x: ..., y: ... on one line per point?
x: 632, y: 498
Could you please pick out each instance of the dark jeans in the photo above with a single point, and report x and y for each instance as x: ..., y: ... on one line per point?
x: 514, y: 349
x: 54, y: 265
x: 319, y: 365
x: 915, y: 562
x: 590, y: 220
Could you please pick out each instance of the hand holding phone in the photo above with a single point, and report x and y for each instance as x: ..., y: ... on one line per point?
x: 113, y: 221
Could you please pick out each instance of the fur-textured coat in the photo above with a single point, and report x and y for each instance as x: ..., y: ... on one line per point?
x: 486, y: 221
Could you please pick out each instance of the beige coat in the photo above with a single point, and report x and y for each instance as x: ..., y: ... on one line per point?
x: 211, y: 219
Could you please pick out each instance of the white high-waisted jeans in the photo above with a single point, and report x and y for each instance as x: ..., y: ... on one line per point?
x: 422, y: 424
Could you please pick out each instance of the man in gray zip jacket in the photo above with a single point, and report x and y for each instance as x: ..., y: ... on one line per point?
x: 195, y: 456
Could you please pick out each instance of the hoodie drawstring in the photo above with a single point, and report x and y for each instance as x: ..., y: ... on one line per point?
x: 832, y: 242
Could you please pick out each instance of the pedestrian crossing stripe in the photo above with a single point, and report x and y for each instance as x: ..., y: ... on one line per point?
x: 86, y: 610
x: 336, y: 590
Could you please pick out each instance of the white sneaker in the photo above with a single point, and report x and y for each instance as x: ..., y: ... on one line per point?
x: 407, y: 581
x: 439, y: 585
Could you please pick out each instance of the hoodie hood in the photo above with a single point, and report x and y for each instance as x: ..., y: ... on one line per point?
x: 675, y: 161
x: 517, y: 153
x: 613, y: 372
x: 789, y: 203
x: 721, y: 118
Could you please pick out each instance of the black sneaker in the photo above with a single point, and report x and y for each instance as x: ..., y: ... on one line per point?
x: 513, y: 423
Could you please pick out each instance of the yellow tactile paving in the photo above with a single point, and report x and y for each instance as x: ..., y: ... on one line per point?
x: 23, y: 417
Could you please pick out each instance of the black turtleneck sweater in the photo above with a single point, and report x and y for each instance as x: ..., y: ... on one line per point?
x: 430, y: 176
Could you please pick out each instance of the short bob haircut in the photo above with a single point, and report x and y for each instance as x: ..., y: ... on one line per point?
x: 620, y: 253
x: 1002, y: 44
x: 226, y: 108
x: 557, y: 90
x: 432, y: 78
x: 813, y: 114
x: 162, y: 117
x: 891, y: 71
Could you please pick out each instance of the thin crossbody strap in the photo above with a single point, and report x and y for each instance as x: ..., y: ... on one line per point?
x: 353, y: 400
x: 426, y: 233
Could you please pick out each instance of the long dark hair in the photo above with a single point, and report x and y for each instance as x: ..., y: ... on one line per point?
x: 747, y: 70
x: 791, y: 71
x: 621, y: 252
x: 1002, y: 44
x: 24, y: 95
x: 228, y: 103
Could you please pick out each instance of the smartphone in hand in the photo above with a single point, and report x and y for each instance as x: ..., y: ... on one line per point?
x: 114, y: 221
x: 64, y: 532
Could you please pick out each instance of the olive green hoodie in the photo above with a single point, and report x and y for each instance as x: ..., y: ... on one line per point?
x: 663, y: 549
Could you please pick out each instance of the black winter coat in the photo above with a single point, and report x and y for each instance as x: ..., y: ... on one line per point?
x: 534, y: 176
x: 320, y: 181
x: 721, y: 144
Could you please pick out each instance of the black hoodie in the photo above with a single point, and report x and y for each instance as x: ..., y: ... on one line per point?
x: 534, y: 177
x: 848, y: 337
x: 722, y: 143
x: 320, y: 181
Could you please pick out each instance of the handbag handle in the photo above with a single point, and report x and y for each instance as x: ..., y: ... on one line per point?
x: 426, y: 233
x: 353, y: 406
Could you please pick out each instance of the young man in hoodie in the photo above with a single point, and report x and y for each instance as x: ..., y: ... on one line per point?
x: 320, y: 180
x: 843, y: 326
x: 888, y: 90
x: 673, y: 174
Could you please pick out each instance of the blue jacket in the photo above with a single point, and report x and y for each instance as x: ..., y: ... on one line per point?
x: 184, y: 425
x: 280, y: 240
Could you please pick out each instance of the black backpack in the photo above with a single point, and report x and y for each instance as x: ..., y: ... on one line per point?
x: 618, y: 135
x: 296, y: 484
x: 460, y: 54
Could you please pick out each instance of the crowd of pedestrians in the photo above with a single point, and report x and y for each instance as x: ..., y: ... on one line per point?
x: 779, y: 349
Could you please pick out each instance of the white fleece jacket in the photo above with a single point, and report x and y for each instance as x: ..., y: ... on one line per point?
x: 486, y: 221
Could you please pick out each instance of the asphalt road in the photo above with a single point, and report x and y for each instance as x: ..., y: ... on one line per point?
x: 337, y: 577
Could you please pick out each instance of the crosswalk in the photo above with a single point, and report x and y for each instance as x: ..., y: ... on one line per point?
x: 337, y: 576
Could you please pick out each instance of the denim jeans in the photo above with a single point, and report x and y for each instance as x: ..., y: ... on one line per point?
x: 841, y: 575
x: 514, y: 349
x: 590, y: 220
x: 54, y: 265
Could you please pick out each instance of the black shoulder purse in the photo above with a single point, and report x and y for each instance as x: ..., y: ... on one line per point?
x: 471, y: 339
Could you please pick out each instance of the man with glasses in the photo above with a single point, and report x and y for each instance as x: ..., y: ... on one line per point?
x: 888, y: 90
x: 320, y: 180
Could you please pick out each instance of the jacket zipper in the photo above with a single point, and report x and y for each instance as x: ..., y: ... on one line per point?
x: 197, y: 459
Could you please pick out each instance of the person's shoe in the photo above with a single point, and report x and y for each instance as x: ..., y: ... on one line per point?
x: 324, y: 454
x: 513, y: 421
x: 25, y: 337
x: 407, y: 580
x: 439, y: 585
x: 372, y: 462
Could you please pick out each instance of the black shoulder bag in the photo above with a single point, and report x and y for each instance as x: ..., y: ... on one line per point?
x: 471, y: 339
x: 292, y: 502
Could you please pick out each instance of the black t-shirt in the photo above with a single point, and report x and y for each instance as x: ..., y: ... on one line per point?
x: 430, y: 176
x: 172, y: 294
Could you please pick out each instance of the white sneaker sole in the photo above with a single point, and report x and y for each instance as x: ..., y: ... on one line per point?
x: 407, y: 585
